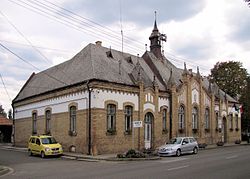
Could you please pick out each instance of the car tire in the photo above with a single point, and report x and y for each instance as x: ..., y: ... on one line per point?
x: 178, y: 153
x: 43, y: 154
x: 30, y: 153
x: 195, y: 150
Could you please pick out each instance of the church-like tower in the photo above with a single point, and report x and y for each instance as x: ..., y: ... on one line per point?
x: 155, y: 41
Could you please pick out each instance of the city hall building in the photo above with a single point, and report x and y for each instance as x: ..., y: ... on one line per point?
x: 90, y: 102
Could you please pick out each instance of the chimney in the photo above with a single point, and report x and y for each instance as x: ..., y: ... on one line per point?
x: 98, y: 43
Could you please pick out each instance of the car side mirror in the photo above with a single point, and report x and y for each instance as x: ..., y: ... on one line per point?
x: 184, y: 143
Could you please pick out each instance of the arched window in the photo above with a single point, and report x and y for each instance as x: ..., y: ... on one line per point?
x: 217, y: 120
x: 207, y: 120
x: 236, y: 122
x: 128, y: 118
x: 34, y: 121
x: 111, y: 118
x: 181, y: 117
x: 48, y: 121
x: 164, y: 119
x: 231, y: 121
x: 72, y: 117
x: 195, y: 118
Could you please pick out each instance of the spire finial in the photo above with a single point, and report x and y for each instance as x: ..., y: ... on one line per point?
x: 185, y: 71
x: 155, y: 25
x: 198, y: 73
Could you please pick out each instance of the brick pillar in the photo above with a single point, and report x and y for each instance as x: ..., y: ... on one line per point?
x: 212, y: 118
x: 174, y: 111
x: 141, y: 101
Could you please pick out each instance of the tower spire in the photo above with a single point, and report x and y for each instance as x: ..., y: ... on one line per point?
x: 155, y: 24
x: 155, y: 45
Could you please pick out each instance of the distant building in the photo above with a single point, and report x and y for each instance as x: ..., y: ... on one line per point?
x: 90, y: 102
x: 5, y: 129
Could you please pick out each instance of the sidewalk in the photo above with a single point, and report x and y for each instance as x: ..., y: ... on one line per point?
x: 107, y: 157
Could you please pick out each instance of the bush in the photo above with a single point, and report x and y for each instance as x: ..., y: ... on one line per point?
x: 120, y: 156
x: 220, y: 143
x: 237, y: 141
x: 134, y: 154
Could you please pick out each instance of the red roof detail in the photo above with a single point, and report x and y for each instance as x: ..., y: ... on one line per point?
x: 5, y: 122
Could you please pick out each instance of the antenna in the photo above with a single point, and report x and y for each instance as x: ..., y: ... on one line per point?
x: 121, y: 35
x: 121, y: 23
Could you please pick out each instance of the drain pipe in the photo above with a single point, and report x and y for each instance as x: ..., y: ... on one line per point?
x: 89, y: 120
x: 13, y: 127
x: 170, y: 116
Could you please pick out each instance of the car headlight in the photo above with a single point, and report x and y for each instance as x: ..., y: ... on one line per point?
x: 47, y: 149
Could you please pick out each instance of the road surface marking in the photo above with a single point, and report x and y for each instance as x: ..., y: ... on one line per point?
x: 177, y: 168
x: 231, y: 157
x: 174, y: 160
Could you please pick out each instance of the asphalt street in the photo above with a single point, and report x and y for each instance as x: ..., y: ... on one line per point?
x: 225, y: 162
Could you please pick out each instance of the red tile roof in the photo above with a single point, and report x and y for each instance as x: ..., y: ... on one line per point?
x: 4, y: 121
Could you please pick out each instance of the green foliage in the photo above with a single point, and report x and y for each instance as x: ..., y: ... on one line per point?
x: 2, y: 112
x: 248, y: 2
x: 134, y: 154
x: 231, y: 77
x: 245, y: 100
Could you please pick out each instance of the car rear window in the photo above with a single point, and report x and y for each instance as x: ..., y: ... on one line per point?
x: 192, y: 140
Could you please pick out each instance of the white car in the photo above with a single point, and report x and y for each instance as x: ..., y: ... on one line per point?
x: 178, y: 146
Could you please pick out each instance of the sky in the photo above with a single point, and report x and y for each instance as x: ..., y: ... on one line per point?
x: 38, y: 34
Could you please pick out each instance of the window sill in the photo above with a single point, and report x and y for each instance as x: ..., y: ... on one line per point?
x: 111, y: 132
x: 127, y: 132
x: 218, y: 129
x: 164, y: 131
x: 72, y: 133
x: 207, y: 130
x: 181, y: 130
x: 195, y: 130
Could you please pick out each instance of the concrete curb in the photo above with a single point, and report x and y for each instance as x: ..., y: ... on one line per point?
x: 98, y: 159
x: 81, y: 157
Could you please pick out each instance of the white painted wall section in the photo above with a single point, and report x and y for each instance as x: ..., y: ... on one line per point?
x: 149, y: 106
x: 100, y: 96
x: 58, y: 105
x: 163, y: 102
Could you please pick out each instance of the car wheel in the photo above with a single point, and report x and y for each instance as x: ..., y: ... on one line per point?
x: 195, y: 150
x: 43, y: 154
x: 30, y: 153
x: 178, y: 152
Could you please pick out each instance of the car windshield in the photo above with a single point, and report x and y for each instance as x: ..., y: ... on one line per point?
x: 175, y: 141
x: 49, y: 140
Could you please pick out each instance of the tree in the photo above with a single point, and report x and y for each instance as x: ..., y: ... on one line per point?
x: 248, y: 2
x: 231, y: 77
x: 245, y: 100
x: 2, y: 112
x: 10, y: 114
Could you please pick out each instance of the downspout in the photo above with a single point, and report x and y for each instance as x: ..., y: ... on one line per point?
x: 14, y: 126
x: 170, y: 115
x: 89, y: 120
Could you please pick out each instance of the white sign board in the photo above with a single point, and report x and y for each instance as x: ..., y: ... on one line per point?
x: 137, y: 124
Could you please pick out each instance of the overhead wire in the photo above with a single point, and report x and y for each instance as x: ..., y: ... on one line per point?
x: 37, y: 50
x: 67, y: 22
x: 5, y: 87
x: 27, y: 62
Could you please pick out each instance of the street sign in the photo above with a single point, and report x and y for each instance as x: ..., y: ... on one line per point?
x: 137, y: 124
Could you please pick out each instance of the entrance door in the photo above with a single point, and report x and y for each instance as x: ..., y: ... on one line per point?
x: 148, y: 121
x: 224, y: 129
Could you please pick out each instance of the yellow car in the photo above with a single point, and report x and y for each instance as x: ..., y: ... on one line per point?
x: 44, y: 145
